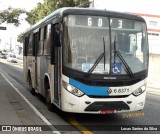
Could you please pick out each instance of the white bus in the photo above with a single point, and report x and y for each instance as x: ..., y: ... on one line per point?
x: 88, y: 61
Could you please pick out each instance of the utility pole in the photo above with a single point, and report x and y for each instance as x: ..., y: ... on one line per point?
x: 3, y: 28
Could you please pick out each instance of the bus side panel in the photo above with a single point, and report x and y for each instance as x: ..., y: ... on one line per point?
x: 43, y: 67
x: 38, y: 77
x: 31, y: 68
x: 52, y: 84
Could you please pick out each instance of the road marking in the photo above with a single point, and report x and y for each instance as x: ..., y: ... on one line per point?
x: 81, y: 128
x: 34, y: 109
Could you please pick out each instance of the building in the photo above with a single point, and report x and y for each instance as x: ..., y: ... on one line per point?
x: 153, y: 28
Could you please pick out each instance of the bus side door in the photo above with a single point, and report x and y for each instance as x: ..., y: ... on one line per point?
x: 36, y: 43
x: 55, y: 60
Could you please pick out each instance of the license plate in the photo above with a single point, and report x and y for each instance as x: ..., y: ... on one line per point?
x: 107, y: 111
x: 119, y: 91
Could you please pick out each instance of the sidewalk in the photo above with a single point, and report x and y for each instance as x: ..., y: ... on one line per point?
x: 8, y: 102
x: 14, y: 110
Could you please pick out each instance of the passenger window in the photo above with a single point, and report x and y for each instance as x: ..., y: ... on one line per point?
x: 26, y: 46
x: 45, y: 32
x: 36, y: 42
x: 30, y: 45
x: 47, y: 41
x: 40, y: 46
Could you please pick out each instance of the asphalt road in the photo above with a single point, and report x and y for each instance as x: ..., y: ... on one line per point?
x: 97, y: 124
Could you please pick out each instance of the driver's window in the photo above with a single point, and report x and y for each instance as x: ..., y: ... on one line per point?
x: 133, y: 44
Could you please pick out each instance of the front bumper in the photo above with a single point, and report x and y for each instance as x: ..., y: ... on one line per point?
x: 85, y: 104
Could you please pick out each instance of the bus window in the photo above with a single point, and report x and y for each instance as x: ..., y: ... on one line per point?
x: 47, y: 40
x: 36, y: 42
x: 45, y: 32
x: 55, y: 42
x: 25, y: 46
x: 40, y: 46
x: 30, y: 46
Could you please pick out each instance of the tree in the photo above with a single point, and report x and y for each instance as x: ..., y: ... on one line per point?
x: 49, y: 6
x: 35, y: 14
x: 20, y: 37
x: 11, y: 15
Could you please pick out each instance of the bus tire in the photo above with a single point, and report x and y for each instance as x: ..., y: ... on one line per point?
x: 31, y: 89
x: 48, y: 100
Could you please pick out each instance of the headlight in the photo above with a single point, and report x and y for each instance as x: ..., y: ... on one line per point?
x: 72, y: 89
x: 139, y: 90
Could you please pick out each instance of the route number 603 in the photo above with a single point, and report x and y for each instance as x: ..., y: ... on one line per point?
x: 99, y: 23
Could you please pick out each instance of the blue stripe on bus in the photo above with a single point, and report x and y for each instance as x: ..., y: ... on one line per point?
x: 90, y: 90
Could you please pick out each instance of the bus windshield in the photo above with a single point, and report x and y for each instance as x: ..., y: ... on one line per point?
x: 94, y: 44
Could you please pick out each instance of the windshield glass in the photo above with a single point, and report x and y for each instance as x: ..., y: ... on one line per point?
x: 90, y: 46
x: 129, y: 39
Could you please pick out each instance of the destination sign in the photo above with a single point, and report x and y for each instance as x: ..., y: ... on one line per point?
x: 92, y: 21
x: 100, y: 21
x: 122, y: 23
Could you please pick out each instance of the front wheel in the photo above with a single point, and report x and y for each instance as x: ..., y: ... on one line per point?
x: 31, y: 89
x: 48, y: 100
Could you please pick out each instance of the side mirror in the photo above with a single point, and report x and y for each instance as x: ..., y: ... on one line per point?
x: 55, y: 43
x: 54, y: 56
x: 56, y: 34
x: 56, y: 39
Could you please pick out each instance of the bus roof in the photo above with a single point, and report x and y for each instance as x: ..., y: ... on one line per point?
x: 83, y: 11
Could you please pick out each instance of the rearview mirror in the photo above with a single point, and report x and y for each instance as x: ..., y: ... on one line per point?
x: 56, y: 35
x: 56, y: 39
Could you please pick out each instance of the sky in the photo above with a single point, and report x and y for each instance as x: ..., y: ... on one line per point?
x: 10, y: 35
x: 138, y: 6
x: 26, y: 4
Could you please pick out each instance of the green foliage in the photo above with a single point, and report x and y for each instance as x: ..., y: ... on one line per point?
x: 49, y: 6
x: 35, y: 14
x: 11, y: 15
x: 20, y: 37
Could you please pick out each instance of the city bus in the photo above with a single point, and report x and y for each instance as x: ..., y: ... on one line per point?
x: 84, y: 60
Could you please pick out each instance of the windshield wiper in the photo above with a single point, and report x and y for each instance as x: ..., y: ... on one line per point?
x: 99, y: 59
x: 96, y: 63
x: 126, y: 67
x: 104, y: 51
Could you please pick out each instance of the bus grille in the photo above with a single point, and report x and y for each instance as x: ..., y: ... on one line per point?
x: 115, y: 105
x: 93, y: 96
